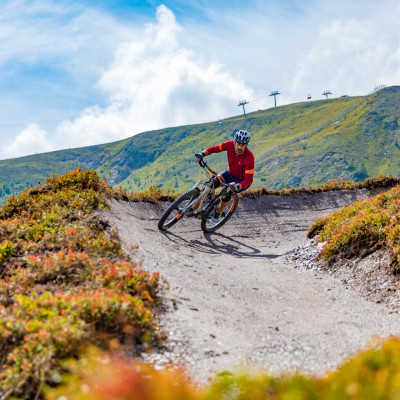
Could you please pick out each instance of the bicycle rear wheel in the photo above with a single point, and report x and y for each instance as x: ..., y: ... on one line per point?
x: 209, y: 226
x: 177, y: 209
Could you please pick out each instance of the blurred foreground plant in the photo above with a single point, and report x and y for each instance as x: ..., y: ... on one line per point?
x: 98, y: 375
x: 373, y: 374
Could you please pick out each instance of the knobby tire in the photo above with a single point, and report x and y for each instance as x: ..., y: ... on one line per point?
x: 189, y: 196
x: 205, y: 221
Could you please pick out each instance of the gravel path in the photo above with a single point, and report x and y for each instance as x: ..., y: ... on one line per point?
x: 236, y: 297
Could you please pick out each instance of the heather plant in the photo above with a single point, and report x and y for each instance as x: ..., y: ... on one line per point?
x: 155, y: 194
x: 332, y: 185
x: 6, y: 249
x: 44, y: 328
x: 152, y: 195
x: 65, y: 282
x: 373, y: 374
x: 366, y: 224
x: 99, y: 376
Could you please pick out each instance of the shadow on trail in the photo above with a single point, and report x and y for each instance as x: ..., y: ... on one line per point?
x: 217, y: 243
x: 226, y: 245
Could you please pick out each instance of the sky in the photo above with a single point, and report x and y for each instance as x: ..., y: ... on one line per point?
x: 74, y: 74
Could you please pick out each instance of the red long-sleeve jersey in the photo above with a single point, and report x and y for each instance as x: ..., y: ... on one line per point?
x: 240, y: 166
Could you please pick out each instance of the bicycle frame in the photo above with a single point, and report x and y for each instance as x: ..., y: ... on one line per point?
x: 207, y: 189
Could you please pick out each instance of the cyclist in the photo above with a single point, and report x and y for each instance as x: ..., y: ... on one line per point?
x: 240, y: 171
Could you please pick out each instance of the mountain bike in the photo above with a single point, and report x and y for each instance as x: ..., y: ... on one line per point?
x: 202, y: 193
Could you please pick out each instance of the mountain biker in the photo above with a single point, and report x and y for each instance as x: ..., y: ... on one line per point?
x: 240, y: 171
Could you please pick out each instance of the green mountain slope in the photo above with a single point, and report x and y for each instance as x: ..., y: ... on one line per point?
x: 362, y: 144
x: 175, y: 169
x: 360, y: 140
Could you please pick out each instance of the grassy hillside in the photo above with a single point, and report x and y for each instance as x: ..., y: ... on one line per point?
x: 363, y: 143
x: 175, y: 168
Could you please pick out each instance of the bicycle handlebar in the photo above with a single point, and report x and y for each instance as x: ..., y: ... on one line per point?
x: 203, y: 164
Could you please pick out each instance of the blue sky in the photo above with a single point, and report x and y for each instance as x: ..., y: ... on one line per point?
x: 89, y: 72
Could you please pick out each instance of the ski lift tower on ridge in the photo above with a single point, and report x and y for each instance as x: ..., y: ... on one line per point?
x: 242, y: 103
x: 326, y: 93
x: 275, y: 93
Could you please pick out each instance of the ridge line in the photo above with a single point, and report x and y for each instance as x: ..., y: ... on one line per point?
x: 316, y: 130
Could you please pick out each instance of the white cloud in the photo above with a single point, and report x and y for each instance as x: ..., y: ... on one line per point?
x: 32, y: 139
x: 43, y: 32
x: 152, y: 83
x: 351, y: 54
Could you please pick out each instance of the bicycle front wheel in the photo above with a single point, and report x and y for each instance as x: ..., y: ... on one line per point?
x: 207, y: 225
x: 177, y: 209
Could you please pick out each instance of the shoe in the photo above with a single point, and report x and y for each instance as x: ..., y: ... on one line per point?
x: 216, y: 217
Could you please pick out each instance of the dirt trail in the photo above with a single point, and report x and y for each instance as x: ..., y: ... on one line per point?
x: 235, y: 299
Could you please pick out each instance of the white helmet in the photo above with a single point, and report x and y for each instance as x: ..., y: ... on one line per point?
x: 242, y: 137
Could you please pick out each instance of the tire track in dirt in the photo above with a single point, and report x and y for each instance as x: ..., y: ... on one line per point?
x: 234, y: 298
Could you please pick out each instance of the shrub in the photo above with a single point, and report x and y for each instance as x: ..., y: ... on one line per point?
x: 6, y: 249
x: 65, y: 282
x: 152, y: 195
x: 98, y: 376
x: 363, y: 224
x: 332, y: 185
x: 372, y: 374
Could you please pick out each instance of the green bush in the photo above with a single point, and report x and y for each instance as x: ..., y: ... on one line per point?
x: 65, y: 282
x: 332, y: 185
x: 363, y: 224
x: 373, y: 374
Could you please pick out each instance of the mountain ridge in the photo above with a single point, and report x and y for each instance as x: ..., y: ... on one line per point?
x: 362, y: 144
